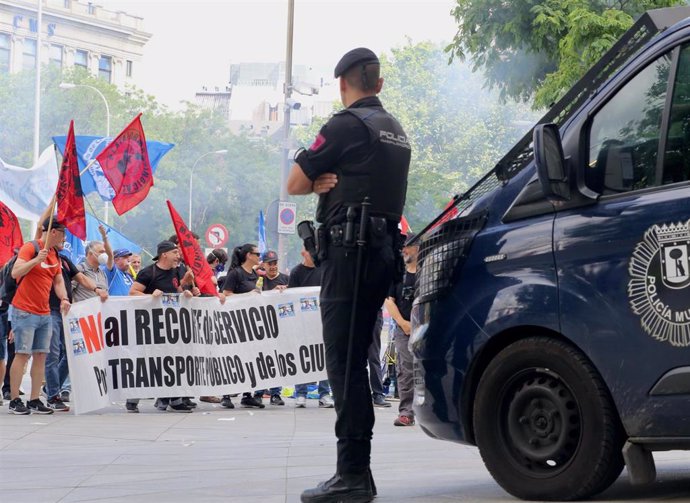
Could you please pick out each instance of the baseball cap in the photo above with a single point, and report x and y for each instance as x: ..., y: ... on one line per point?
x: 361, y: 55
x: 270, y: 256
x: 121, y: 252
x: 164, y: 246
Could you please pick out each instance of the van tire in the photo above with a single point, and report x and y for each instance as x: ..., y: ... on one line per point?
x: 545, y: 424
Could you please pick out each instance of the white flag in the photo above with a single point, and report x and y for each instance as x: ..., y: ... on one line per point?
x: 27, y: 192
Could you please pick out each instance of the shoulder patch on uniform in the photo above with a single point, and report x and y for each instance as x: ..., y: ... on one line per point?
x: 318, y: 143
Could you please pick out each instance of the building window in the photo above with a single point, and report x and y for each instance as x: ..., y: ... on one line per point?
x: 29, y: 54
x: 105, y: 68
x: 129, y: 68
x: 81, y: 59
x: 4, y: 53
x: 56, y: 55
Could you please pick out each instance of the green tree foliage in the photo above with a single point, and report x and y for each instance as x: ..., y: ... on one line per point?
x: 537, y: 49
x: 229, y: 189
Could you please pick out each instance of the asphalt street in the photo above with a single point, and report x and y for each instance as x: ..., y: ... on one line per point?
x: 242, y: 455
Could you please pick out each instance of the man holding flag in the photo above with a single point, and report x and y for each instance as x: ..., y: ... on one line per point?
x: 36, y: 274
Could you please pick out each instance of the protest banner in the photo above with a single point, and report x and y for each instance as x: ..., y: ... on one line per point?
x: 143, y: 347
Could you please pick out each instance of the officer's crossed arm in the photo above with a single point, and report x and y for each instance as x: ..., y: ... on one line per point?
x: 299, y: 184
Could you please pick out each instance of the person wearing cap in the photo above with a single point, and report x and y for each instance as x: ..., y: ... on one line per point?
x: 399, y: 306
x: 119, y: 278
x: 273, y: 280
x: 165, y: 275
x: 36, y: 273
x: 361, y: 152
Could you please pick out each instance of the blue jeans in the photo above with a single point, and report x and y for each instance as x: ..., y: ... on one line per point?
x: 303, y: 389
x: 32, y: 332
x: 57, y: 371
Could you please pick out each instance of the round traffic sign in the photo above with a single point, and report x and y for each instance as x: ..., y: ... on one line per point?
x: 287, y: 216
x: 217, y: 235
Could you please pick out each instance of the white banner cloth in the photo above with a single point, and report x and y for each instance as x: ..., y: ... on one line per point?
x: 141, y: 347
x: 27, y: 192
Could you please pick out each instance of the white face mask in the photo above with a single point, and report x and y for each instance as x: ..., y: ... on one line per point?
x: 103, y: 258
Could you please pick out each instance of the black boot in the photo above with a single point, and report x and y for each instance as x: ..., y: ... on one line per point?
x: 345, y: 488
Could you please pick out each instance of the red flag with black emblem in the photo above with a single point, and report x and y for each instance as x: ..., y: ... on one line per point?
x: 69, y: 196
x: 10, y: 234
x: 125, y: 163
x: 193, y: 256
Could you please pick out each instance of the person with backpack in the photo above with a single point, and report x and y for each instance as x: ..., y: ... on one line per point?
x: 36, y: 271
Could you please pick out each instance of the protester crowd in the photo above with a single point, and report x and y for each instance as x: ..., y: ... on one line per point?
x: 48, y: 282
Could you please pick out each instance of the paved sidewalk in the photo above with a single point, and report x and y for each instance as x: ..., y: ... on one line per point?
x: 244, y: 455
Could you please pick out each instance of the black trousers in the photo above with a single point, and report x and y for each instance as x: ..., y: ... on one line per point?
x: 354, y: 418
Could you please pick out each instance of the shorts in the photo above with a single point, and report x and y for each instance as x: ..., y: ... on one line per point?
x: 32, y: 332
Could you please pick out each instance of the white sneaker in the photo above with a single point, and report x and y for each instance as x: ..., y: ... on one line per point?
x: 326, y: 402
x: 301, y: 402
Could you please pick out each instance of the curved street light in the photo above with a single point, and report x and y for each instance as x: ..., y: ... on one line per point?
x: 191, y: 180
x: 69, y: 85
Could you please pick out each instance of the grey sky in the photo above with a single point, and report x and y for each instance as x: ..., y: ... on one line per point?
x: 194, y: 42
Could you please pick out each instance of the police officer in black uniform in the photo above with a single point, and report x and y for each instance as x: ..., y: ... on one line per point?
x: 362, y: 152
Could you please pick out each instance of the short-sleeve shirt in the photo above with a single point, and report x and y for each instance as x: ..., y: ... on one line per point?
x: 119, y: 282
x: 166, y: 280
x: 343, y: 136
x: 98, y: 276
x: 240, y: 281
x: 301, y: 275
x: 33, y: 290
x: 69, y: 271
x: 270, y: 284
x: 403, y: 293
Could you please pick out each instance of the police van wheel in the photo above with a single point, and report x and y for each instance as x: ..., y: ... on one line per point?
x: 545, y: 424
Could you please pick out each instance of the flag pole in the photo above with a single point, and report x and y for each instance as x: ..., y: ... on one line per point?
x: 53, y: 203
x: 91, y: 162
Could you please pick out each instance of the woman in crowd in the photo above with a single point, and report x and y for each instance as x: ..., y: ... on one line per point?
x: 242, y: 278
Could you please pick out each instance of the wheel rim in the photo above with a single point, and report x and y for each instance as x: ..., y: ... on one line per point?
x: 540, y: 422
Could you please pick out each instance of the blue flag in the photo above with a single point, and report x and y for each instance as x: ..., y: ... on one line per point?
x: 88, y: 147
x: 75, y: 248
x: 262, y: 233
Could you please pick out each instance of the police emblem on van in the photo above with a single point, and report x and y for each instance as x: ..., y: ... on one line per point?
x: 659, y: 288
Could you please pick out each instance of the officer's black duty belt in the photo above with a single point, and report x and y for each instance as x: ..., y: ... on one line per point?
x: 378, y: 231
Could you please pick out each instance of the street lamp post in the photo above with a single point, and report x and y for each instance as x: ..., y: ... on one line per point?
x: 69, y: 85
x: 191, y: 180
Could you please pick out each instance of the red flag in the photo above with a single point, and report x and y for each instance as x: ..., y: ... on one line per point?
x: 450, y: 214
x: 125, y: 163
x: 404, y: 226
x: 193, y: 256
x: 10, y: 234
x: 70, y: 198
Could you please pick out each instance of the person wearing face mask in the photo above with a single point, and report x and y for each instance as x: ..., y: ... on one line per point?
x: 99, y: 260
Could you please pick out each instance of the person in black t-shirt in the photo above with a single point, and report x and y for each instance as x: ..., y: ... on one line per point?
x: 307, y: 274
x: 399, y: 305
x: 165, y: 275
x: 273, y: 280
x: 242, y: 278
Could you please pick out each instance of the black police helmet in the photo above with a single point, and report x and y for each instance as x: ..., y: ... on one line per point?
x: 361, y: 55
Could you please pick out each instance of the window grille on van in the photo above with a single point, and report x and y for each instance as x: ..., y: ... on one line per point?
x: 440, y: 253
x: 519, y: 157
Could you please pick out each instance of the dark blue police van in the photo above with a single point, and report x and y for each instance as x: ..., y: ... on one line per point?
x: 551, y: 326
